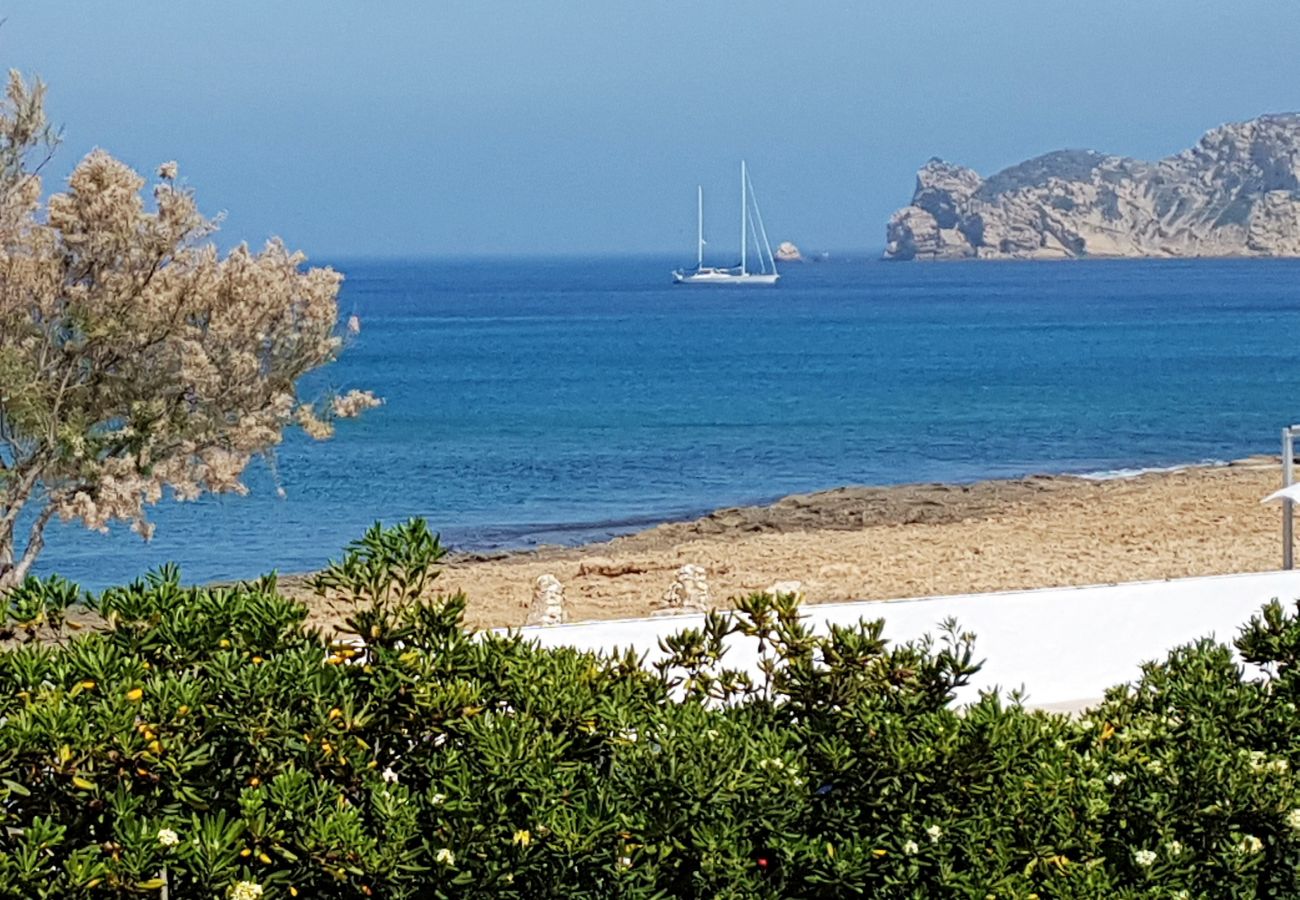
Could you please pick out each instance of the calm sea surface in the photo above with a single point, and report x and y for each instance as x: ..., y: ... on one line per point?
x: 552, y: 402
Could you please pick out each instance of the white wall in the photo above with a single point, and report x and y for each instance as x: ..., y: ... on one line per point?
x: 1065, y: 646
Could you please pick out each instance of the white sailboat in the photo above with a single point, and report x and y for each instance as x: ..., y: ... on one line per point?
x: 751, y: 223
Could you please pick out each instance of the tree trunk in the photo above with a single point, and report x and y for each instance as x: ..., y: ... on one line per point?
x: 16, y: 495
x: 15, y: 575
x: 7, y: 521
x: 6, y: 543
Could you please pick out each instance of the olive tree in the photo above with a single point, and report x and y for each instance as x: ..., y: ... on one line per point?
x: 136, y: 360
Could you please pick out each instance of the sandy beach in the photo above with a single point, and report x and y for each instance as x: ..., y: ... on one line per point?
x: 857, y: 543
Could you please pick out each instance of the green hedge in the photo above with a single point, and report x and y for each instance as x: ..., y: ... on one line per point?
x: 207, y: 741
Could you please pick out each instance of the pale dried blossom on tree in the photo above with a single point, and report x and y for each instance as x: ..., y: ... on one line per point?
x: 134, y: 359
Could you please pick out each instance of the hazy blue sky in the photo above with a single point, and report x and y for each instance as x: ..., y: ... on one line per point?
x: 394, y: 128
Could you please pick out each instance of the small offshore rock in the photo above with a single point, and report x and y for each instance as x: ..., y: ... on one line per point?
x: 788, y: 252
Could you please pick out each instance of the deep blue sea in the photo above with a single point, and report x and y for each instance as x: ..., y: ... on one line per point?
x: 549, y: 401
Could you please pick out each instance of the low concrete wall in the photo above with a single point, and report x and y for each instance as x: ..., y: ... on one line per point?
x: 1063, y: 646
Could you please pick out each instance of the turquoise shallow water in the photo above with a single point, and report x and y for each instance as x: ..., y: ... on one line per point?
x: 563, y: 401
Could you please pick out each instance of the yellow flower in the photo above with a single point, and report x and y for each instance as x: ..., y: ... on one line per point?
x: 88, y: 684
x: 877, y: 853
x: 135, y: 694
x: 522, y: 838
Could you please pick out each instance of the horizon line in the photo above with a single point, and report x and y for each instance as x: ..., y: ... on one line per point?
x: 566, y: 255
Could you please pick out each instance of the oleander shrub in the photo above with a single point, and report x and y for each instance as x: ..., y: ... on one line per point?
x: 207, y: 743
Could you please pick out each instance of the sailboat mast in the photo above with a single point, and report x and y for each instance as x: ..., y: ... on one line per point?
x: 744, y: 237
x: 699, y: 230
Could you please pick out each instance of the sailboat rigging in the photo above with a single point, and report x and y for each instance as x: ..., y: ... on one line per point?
x: 751, y: 224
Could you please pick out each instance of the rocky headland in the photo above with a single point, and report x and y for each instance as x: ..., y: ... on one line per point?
x: 1236, y: 193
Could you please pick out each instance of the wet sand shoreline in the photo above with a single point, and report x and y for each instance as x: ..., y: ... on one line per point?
x: 862, y: 543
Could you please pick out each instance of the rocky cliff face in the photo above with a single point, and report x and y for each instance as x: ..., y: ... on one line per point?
x: 1236, y: 193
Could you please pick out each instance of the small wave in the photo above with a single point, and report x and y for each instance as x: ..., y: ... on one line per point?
x: 1118, y: 474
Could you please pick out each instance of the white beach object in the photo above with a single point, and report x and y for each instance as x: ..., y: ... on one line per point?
x: 1287, y: 495
x: 689, y: 592
x: 548, y: 602
x: 786, y: 587
x: 1290, y: 492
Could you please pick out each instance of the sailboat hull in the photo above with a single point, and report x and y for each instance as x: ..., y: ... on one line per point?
x: 715, y: 276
